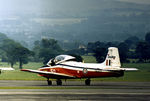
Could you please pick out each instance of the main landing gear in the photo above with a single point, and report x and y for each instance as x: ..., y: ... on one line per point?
x: 87, y: 82
x: 58, y: 82
x: 49, y: 82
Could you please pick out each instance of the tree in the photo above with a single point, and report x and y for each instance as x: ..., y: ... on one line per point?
x: 147, y: 37
x: 8, y: 47
x: 132, y: 42
x: 81, y: 51
x: 2, y: 53
x: 36, y: 51
x: 50, y: 43
x: 100, y: 49
x: 2, y: 37
x: 100, y: 54
x: 92, y: 46
x: 49, y: 49
x: 22, y: 55
x: 123, y: 51
x: 143, y: 51
x: 15, y: 52
x: 78, y: 57
x: 47, y: 54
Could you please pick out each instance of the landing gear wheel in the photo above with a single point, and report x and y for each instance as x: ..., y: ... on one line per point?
x: 49, y: 82
x: 87, y: 82
x: 59, y: 82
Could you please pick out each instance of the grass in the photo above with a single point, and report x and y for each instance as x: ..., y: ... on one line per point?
x: 143, y: 75
x: 19, y: 75
x: 89, y: 59
x: 129, y: 77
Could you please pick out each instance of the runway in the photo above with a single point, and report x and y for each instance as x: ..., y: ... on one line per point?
x: 74, y: 91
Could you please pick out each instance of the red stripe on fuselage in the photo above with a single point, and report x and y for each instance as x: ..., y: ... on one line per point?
x: 79, y: 73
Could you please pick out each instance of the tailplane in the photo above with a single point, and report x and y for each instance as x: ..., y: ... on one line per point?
x: 113, y: 60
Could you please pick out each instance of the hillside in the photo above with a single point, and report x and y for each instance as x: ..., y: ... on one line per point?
x: 79, y: 20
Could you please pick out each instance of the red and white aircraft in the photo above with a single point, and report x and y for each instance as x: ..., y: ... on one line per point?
x: 66, y: 67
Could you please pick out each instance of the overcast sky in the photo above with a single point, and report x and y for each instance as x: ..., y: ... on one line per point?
x: 60, y: 12
x: 11, y: 9
x: 138, y: 1
x: 8, y: 6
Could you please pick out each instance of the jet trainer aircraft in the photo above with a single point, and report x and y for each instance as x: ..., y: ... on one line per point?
x: 66, y: 67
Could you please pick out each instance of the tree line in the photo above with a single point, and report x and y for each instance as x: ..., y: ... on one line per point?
x: 130, y: 49
x: 13, y: 52
x: 45, y: 49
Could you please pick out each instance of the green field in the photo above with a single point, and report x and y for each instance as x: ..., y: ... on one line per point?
x: 142, y: 75
x: 19, y: 75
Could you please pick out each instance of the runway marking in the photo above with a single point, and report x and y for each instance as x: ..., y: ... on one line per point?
x: 69, y: 93
x: 68, y: 87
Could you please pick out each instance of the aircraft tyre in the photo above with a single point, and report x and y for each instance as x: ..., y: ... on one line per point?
x: 59, y: 82
x: 49, y: 82
x: 87, y: 82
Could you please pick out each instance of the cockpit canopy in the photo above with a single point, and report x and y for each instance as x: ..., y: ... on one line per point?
x: 60, y: 59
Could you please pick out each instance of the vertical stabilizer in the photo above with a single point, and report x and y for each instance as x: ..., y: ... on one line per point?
x: 112, y: 58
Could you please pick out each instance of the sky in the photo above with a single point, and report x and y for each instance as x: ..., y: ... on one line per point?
x: 8, y: 6
x: 137, y: 1
x: 30, y: 14
x: 13, y: 9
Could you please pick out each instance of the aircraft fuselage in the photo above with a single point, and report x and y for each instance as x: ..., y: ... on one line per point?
x: 81, y: 72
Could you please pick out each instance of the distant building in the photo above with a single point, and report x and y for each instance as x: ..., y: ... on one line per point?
x: 83, y: 47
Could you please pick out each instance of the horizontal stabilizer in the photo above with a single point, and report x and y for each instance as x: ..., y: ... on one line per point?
x: 119, y: 69
x: 130, y: 69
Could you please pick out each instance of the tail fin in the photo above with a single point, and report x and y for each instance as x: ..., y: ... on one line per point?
x: 112, y: 58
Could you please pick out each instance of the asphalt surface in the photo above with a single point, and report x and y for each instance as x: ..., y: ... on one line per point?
x: 75, y: 91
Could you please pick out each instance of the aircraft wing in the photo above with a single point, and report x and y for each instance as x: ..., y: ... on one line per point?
x: 51, y: 74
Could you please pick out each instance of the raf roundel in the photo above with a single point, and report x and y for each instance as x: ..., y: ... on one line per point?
x: 85, y: 70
